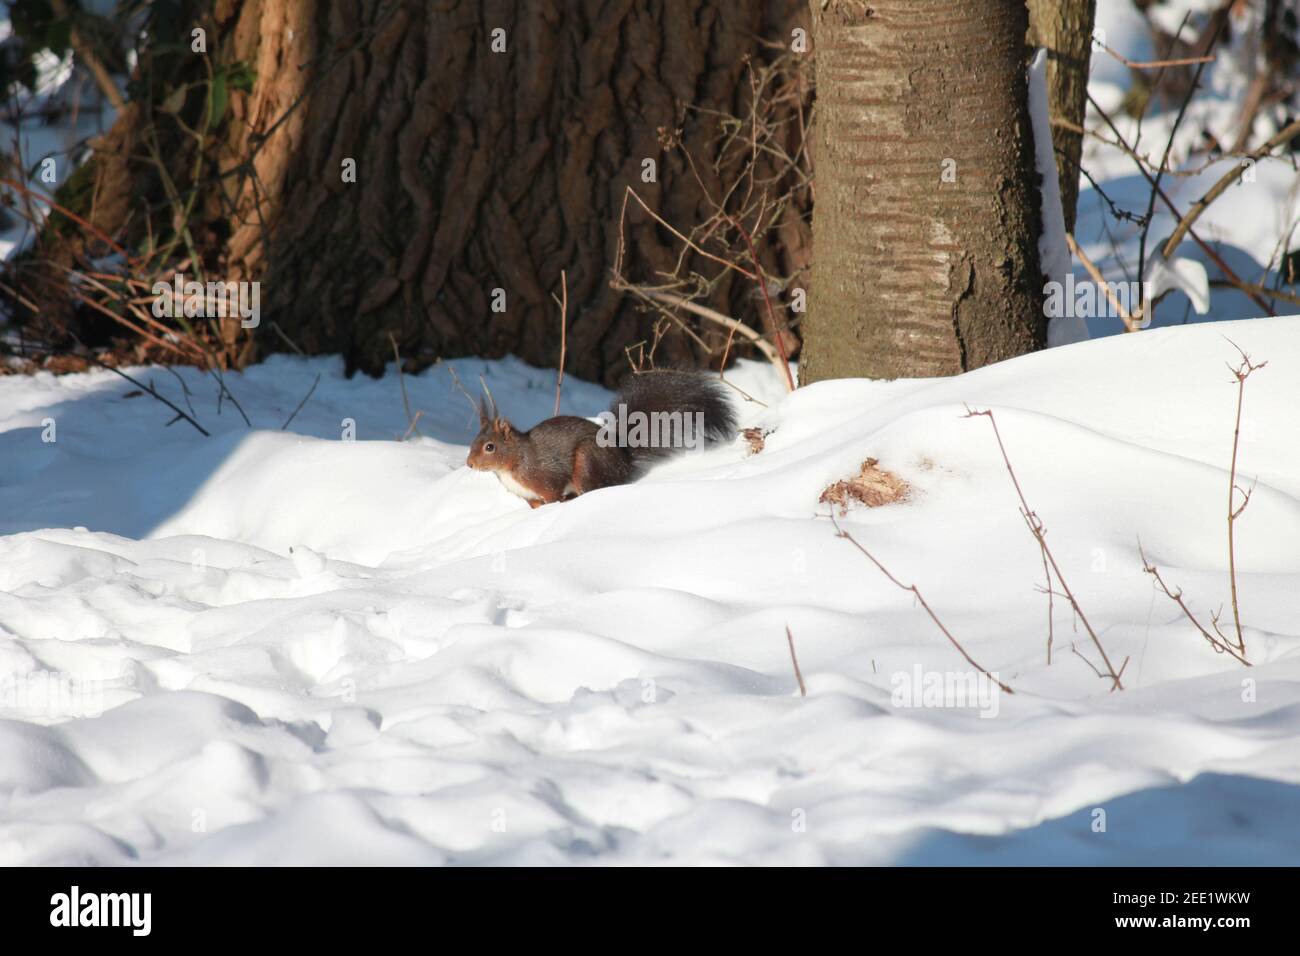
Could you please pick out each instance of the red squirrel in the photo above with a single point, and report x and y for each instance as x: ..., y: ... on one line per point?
x: 654, y: 414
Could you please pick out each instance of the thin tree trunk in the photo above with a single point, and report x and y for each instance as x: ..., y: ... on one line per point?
x: 1064, y: 29
x: 925, y: 235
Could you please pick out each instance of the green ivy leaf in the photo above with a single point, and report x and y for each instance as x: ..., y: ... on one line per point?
x: 217, y: 98
x: 242, y: 76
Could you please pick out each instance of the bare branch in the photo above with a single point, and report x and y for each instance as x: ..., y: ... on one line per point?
x: 1130, y: 324
x: 1039, y: 532
x: 778, y: 333
x: 563, y: 303
x: 1209, y: 251
x: 1220, y: 646
x: 1157, y: 64
x: 803, y: 691
x: 401, y: 381
x: 1242, y: 372
x: 154, y: 392
x: 295, y: 412
x: 916, y: 592
x: 1219, y: 188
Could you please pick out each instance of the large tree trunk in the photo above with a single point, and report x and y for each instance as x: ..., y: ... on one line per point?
x: 478, y: 171
x: 925, y: 236
x: 1064, y: 29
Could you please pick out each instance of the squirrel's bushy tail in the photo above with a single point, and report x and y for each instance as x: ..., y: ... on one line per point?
x: 675, y: 404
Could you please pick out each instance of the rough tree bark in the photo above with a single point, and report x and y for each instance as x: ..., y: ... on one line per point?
x: 925, y: 235
x: 1064, y: 29
x: 475, y: 170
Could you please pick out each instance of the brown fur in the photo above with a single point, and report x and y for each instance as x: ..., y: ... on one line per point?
x: 560, y: 458
x: 556, y: 460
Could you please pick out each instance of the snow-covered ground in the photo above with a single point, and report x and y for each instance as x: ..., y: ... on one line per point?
x: 320, y: 644
x: 284, y: 646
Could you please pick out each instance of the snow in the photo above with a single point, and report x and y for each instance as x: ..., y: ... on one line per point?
x: 1120, y: 25
x: 1053, y: 253
x: 222, y: 650
x: 1178, y: 274
x: 319, y: 644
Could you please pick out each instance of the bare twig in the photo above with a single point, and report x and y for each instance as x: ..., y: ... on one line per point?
x: 916, y: 592
x: 1220, y: 646
x: 1039, y: 531
x: 663, y: 222
x: 1157, y: 64
x: 222, y: 389
x: 1219, y: 188
x: 152, y: 391
x: 401, y: 381
x: 185, y: 389
x: 803, y: 691
x: 1147, y: 309
x: 1249, y: 287
x: 1186, y: 173
x: 1240, y: 374
x: 563, y: 303
x: 275, y: 327
x: 704, y: 312
x: 411, y: 427
x: 1051, y: 607
x: 759, y: 198
x: 124, y: 321
x: 172, y: 336
x: 1092, y: 666
x: 1209, y: 251
x: 477, y: 406
x: 778, y: 332
x: 63, y: 210
x: 309, y: 394
x: 1130, y: 325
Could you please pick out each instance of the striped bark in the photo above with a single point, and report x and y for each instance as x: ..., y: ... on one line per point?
x: 926, y: 226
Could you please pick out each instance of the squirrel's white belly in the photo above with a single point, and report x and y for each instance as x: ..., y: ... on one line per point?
x: 515, y: 487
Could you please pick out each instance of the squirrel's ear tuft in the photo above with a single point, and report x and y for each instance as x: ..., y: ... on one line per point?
x: 502, y: 427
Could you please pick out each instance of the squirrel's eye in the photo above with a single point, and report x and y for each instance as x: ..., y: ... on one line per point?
x: 489, y: 448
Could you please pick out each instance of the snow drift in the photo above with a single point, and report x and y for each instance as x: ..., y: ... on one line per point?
x: 282, y: 647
